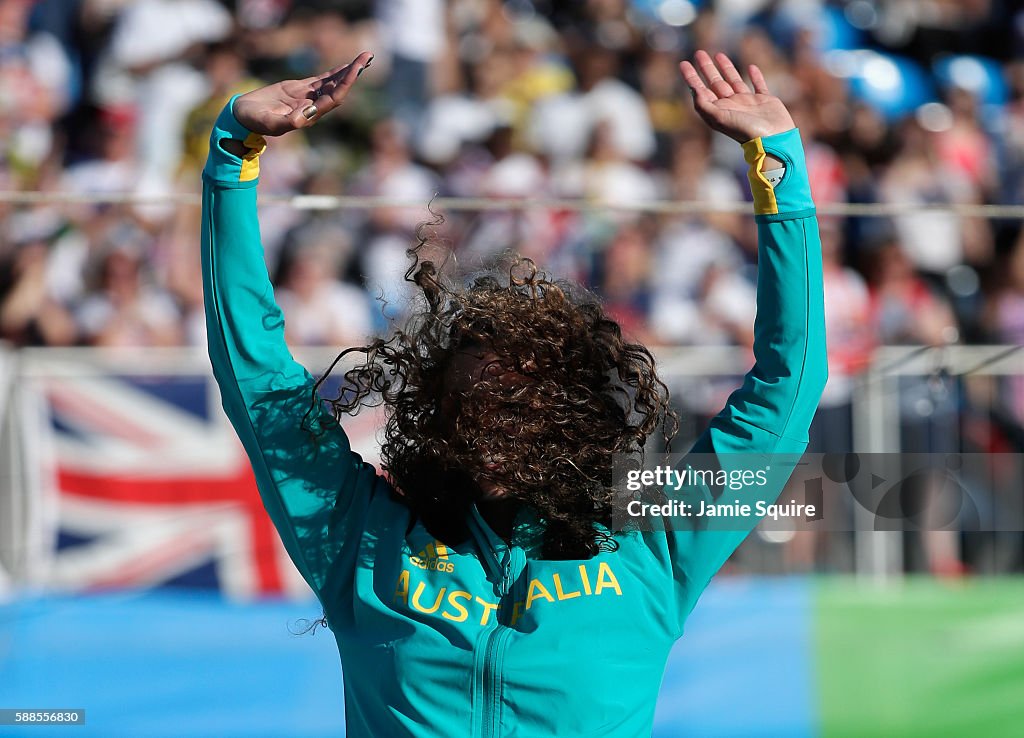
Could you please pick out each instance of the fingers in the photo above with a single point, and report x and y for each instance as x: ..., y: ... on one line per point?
x: 328, y: 90
x: 760, y: 85
x: 690, y: 75
x: 730, y: 74
x: 337, y: 84
x: 723, y: 79
x: 714, y: 78
x: 305, y: 116
x: 702, y: 96
x: 337, y: 74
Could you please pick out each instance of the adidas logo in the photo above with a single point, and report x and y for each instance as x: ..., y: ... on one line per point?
x: 433, y: 557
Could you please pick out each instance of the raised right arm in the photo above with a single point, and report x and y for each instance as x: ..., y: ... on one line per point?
x: 311, y: 483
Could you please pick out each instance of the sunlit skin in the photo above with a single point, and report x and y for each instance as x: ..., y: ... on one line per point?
x: 722, y: 99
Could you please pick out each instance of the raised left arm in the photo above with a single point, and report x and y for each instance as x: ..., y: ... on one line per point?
x: 768, y: 416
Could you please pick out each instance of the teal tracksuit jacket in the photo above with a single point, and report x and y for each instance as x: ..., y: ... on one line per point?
x: 479, y: 638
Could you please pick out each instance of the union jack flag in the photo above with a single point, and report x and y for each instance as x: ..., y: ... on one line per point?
x: 153, y: 489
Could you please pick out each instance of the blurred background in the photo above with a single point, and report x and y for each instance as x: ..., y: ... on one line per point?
x: 140, y: 578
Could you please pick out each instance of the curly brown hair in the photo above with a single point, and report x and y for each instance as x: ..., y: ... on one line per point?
x: 584, y: 393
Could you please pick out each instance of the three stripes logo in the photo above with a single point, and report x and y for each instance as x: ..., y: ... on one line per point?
x: 433, y: 557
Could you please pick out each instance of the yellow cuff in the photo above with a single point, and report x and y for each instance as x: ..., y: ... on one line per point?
x: 251, y: 161
x: 764, y: 194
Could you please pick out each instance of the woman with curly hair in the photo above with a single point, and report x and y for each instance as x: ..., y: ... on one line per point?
x: 478, y: 588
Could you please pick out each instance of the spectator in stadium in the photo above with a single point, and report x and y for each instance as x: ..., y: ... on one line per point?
x: 226, y: 75
x: 605, y: 174
x: 507, y: 400
x: 150, y: 69
x: 126, y: 310
x: 111, y: 166
x: 391, y: 173
x: 320, y: 310
x: 563, y: 125
x: 1006, y: 318
x: 905, y: 309
x: 29, y: 315
x: 625, y: 286
x: 851, y: 342
x: 701, y: 293
x: 413, y: 32
x: 933, y: 240
x: 35, y: 88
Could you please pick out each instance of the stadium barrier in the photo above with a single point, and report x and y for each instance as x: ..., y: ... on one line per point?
x: 120, y: 470
x: 918, y: 394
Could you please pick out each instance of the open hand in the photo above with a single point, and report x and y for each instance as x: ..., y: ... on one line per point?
x: 297, y: 103
x: 726, y: 102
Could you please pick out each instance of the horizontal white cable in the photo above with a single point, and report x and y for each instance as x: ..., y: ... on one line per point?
x: 673, y: 361
x: 458, y: 204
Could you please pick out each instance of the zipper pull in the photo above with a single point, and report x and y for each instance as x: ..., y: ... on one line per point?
x: 506, y: 574
x: 512, y: 567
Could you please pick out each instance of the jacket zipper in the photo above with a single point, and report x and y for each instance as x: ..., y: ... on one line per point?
x: 493, y: 660
x: 494, y: 653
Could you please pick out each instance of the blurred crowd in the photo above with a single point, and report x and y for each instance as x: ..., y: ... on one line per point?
x: 523, y: 98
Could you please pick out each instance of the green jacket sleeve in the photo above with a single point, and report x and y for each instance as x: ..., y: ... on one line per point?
x: 312, y: 484
x: 769, y: 415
